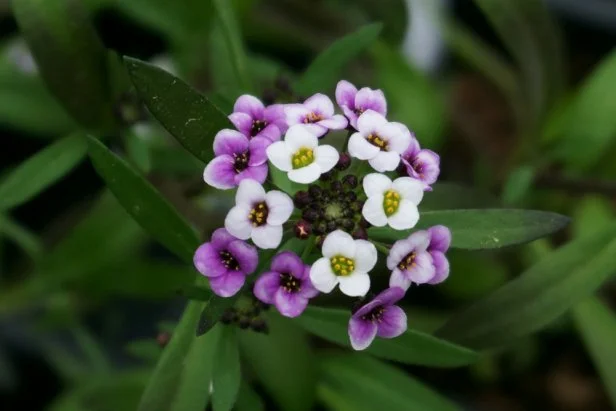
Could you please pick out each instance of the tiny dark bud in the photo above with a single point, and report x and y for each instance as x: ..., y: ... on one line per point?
x: 356, y: 205
x: 302, y: 199
x: 282, y: 83
x: 244, y: 323
x: 303, y: 229
x: 327, y: 176
x: 331, y: 226
x: 350, y: 181
x: 163, y: 339
x: 259, y: 325
x: 228, y: 316
x: 343, y: 162
x: 360, y: 234
x: 348, y: 212
x: 269, y: 96
x: 364, y: 223
x: 348, y: 224
x: 315, y: 191
x: 319, y: 241
x: 310, y: 215
x: 320, y: 228
x: 336, y: 186
x: 350, y: 196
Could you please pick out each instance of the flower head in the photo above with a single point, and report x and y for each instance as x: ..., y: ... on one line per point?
x: 346, y: 262
x: 253, y: 119
x: 287, y: 285
x: 237, y: 158
x: 378, y: 317
x: 421, y: 164
x: 317, y: 113
x: 226, y: 261
x: 301, y: 156
x: 353, y: 103
x: 259, y: 215
x: 378, y: 141
x: 420, y: 258
x: 392, y: 203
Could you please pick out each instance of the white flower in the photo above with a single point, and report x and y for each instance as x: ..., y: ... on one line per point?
x: 346, y: 262
x: 392, y: 203
x: 301, y: 156
x: 258, y: 215
x: 378, y: 141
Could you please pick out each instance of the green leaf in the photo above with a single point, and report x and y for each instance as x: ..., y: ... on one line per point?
x: 483, y: 229
x: 518, y: 184
x: 412, y: 347
x: 148, y: 350
x: 248, y: 399
x: 41, y: 170
x: 143, y: 202
x: 597, y: 325
x: 283, y: 362
x: 21, y: 236
x: 227, y: 374
x: 212, y: 312
x: 70, y: 57
x: 365, y: 383
x: 537, y: 296
x: 282, y: 182
x: 324, y: 72
x: 182, y: 110
x: 454, y: 196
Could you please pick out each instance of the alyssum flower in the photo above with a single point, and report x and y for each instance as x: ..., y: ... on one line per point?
x: 259, y: 215
x: 226, y: 261
x: 301, y: 156
x: 237, y: 158
x: 317, y: 113
x: 421, y: 164
x: 286, y: 285
x: 353, y: 103
x: 253, y: 119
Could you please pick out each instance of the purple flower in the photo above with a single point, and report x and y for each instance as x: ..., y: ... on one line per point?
x: 378, y: 317
x: 237, y: 158
x: 420, y: 258
x: 423, y: 165
x: 287, y: 285
x: 317, y: 112
x: 226, y: 261
x: 353, y: 103
x: 253, y: 119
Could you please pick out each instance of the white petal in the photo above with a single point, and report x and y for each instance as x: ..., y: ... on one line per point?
x: 360, y: 148
x: 237, y: 222
x: 369, y: 121
x: 326, y: 157
x: 338, y: 243
x: 409, y: 189
x: 280, y: 156
x: 376, y: 184
x: 280, y: 207
x: 373, y: 211
x: 401, y: 140
x: 267, y: 236
x: 405, y: 217
x: 249, y: 192
x: 322, y: 276
x: 298, y: 136
x: 355, y: 285
x: 385, y: 161
x: 337, y: 122
x: 365, y: 255
x: 305, y: 175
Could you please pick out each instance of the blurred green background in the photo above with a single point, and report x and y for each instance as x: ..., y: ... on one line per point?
x: 519, y: 97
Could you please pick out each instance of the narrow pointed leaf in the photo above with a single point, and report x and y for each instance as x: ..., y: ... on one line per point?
x: 143, y: 202
x: 483, y: 229
x: 21, y: 236
x: 412, y: 347
x: 538, y: 296
x: 212, y: 312
x: 190, y: 117
x: 454, y: 196
x: 227, y: 374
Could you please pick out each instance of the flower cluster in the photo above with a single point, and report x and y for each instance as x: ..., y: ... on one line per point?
x: 330, y: 199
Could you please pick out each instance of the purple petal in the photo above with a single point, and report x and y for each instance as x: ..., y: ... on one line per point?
x: 221, y: 238
x: 258, y: 154
x: 393, y: 323
x: 242, y: 121
x: 337, y: 122
x: 423, y: 270
x: 250, y: 105
x: 257, y: 173
x: 366, y: 308
x: 245, y: 254
x: 229, y: 284
x: 207, y: 261
x: 289, y: 263
x: 320, y: 104
x: 295, y: 113
x: 220, y: 172
x: 289, y: 304
x: 270, y: 132
x: 412, y: 150
x: 307, y: 290
x: 390, y: 296
x: 427, y: 166
x: 441, y: 267
x: 266, y: 286
x: 418, y: 242
x: 274, y: 114
x: 440, y: 238
x: 229, y: 141
x: 368, y: 99
x: 361, y: 333
x: 351, y: 115
x: 345, y: 95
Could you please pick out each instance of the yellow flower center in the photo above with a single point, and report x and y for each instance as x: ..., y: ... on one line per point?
x: 408, y: 261
x: 302, y: 158
x: 391, y: 202
x: 377, y: 141
x: 258, y: 214
x: 341, y: 265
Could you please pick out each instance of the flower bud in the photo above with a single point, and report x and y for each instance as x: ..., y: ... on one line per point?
x: 360, y: 234
x: 331, y: 226
x: 259, y: 325
x: 327, y: 176
x: 163, y: 339
x: 319, y: 228
x: 303, y: 229
x: 348, y: 224
x: 228, y: 316
x: 302, y: 199
x: 315, y: 191
x: 310, y: 215
x: 350, y: 196
x: 336, y: 186
x: 244, y: 323
x: 350, y: 181
x: 343, y: 162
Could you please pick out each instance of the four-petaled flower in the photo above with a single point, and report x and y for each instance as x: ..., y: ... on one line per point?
x: 353, y: 103
x: 287, y: 285
x: 422, y: 164
x: 259, y: 215
x: 346, y: 262
x: 394, y: 203
x: 378, y: 317
x: 237, y: 158
x: 317, y: 113
x: 420, y: 258
x: 301, y: 156
x: 253, y: 119
x: 379, y: 141
x: 226, y: 261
